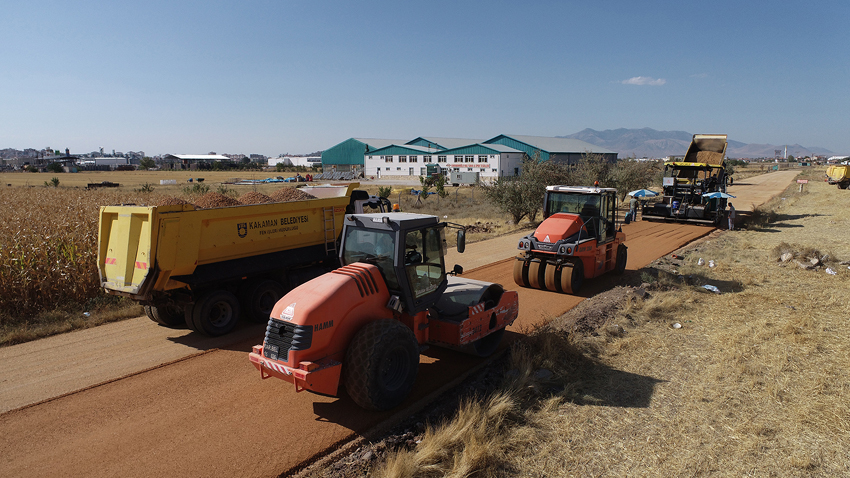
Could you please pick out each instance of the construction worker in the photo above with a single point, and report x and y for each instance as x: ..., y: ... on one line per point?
x: 731, y: 216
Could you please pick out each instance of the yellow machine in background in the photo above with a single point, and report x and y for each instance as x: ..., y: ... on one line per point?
x: 838, y: 174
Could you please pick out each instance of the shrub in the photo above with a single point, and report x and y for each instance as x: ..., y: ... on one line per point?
x: 197, y: 188
x: 385, y: 191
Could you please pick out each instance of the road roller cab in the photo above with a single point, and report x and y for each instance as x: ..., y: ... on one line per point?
x: 578, y: 239
x: 365, y: 323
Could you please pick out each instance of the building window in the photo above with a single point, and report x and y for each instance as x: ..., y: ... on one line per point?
x: 482, y: 158
x: 495, y: 170
x: 398, y: 169
x: 469, y: 169
x: 388, y: 159
x: 414, y: 159
x: 387, y: 168
x: 426, y: 159
x: 370, y: 157
x: 469, y: 159
x: 441, y: 159
x: 402, y: 159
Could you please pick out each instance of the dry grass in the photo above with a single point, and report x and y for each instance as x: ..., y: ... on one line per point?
x: 754, y: 383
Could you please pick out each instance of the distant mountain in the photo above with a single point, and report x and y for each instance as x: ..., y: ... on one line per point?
x: 650, y: 143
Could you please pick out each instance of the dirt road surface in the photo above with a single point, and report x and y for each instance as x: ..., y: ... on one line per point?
x: 135, y: 399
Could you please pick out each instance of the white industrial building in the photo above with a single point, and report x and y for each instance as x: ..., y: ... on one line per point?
x: 490, y: 161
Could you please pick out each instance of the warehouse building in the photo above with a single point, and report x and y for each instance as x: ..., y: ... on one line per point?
x: 490, y: 159
x: 561, y: 150
x: 348, y: 155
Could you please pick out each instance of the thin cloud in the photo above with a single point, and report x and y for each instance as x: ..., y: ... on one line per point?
x: 644, y: 80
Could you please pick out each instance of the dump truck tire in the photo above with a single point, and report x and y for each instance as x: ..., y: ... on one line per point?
x: 166, y: 315
x: 381, y: 364
x: 572, y: 278
x: 622, y: 258
x: 260, y: 298
x: 216, y: 313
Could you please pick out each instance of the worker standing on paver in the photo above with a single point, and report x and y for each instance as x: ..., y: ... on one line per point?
x: 731, y: 216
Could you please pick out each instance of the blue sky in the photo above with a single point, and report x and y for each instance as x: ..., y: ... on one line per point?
x: 279, y: 76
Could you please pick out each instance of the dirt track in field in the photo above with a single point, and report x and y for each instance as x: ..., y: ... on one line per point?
x: 210, y: 414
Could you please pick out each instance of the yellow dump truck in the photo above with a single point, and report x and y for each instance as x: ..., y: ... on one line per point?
x: 838, y: 174
x: 206, y: 266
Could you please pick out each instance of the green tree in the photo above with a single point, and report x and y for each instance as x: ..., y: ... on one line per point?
x: 522, y: 196
x: 426, y: 188
x: 147, y: 163
x: 590, y: 168
x: 55, y: 168
x: 630, y: 174
x: 440, y: 186
x: 507, y: 194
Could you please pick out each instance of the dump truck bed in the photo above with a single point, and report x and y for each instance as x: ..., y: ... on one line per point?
x: 157, y: 248
x: 706, y: 149
x: 838, y: 173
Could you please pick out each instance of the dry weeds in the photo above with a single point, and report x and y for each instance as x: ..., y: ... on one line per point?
x: 754, y: 383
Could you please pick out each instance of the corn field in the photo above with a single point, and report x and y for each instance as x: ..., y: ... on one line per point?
x: 48, y: 247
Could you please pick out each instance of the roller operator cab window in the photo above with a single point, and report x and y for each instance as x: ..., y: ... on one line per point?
x: 423, y: 260
x: 372, y: 247
x: 564, y: 202
x: 587, y: 206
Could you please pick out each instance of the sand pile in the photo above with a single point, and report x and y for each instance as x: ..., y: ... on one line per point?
x: 254, y: 197
x: 709, y: 157
x: 170, y: 201
x: 212, y: 199
x: 290, y: 194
